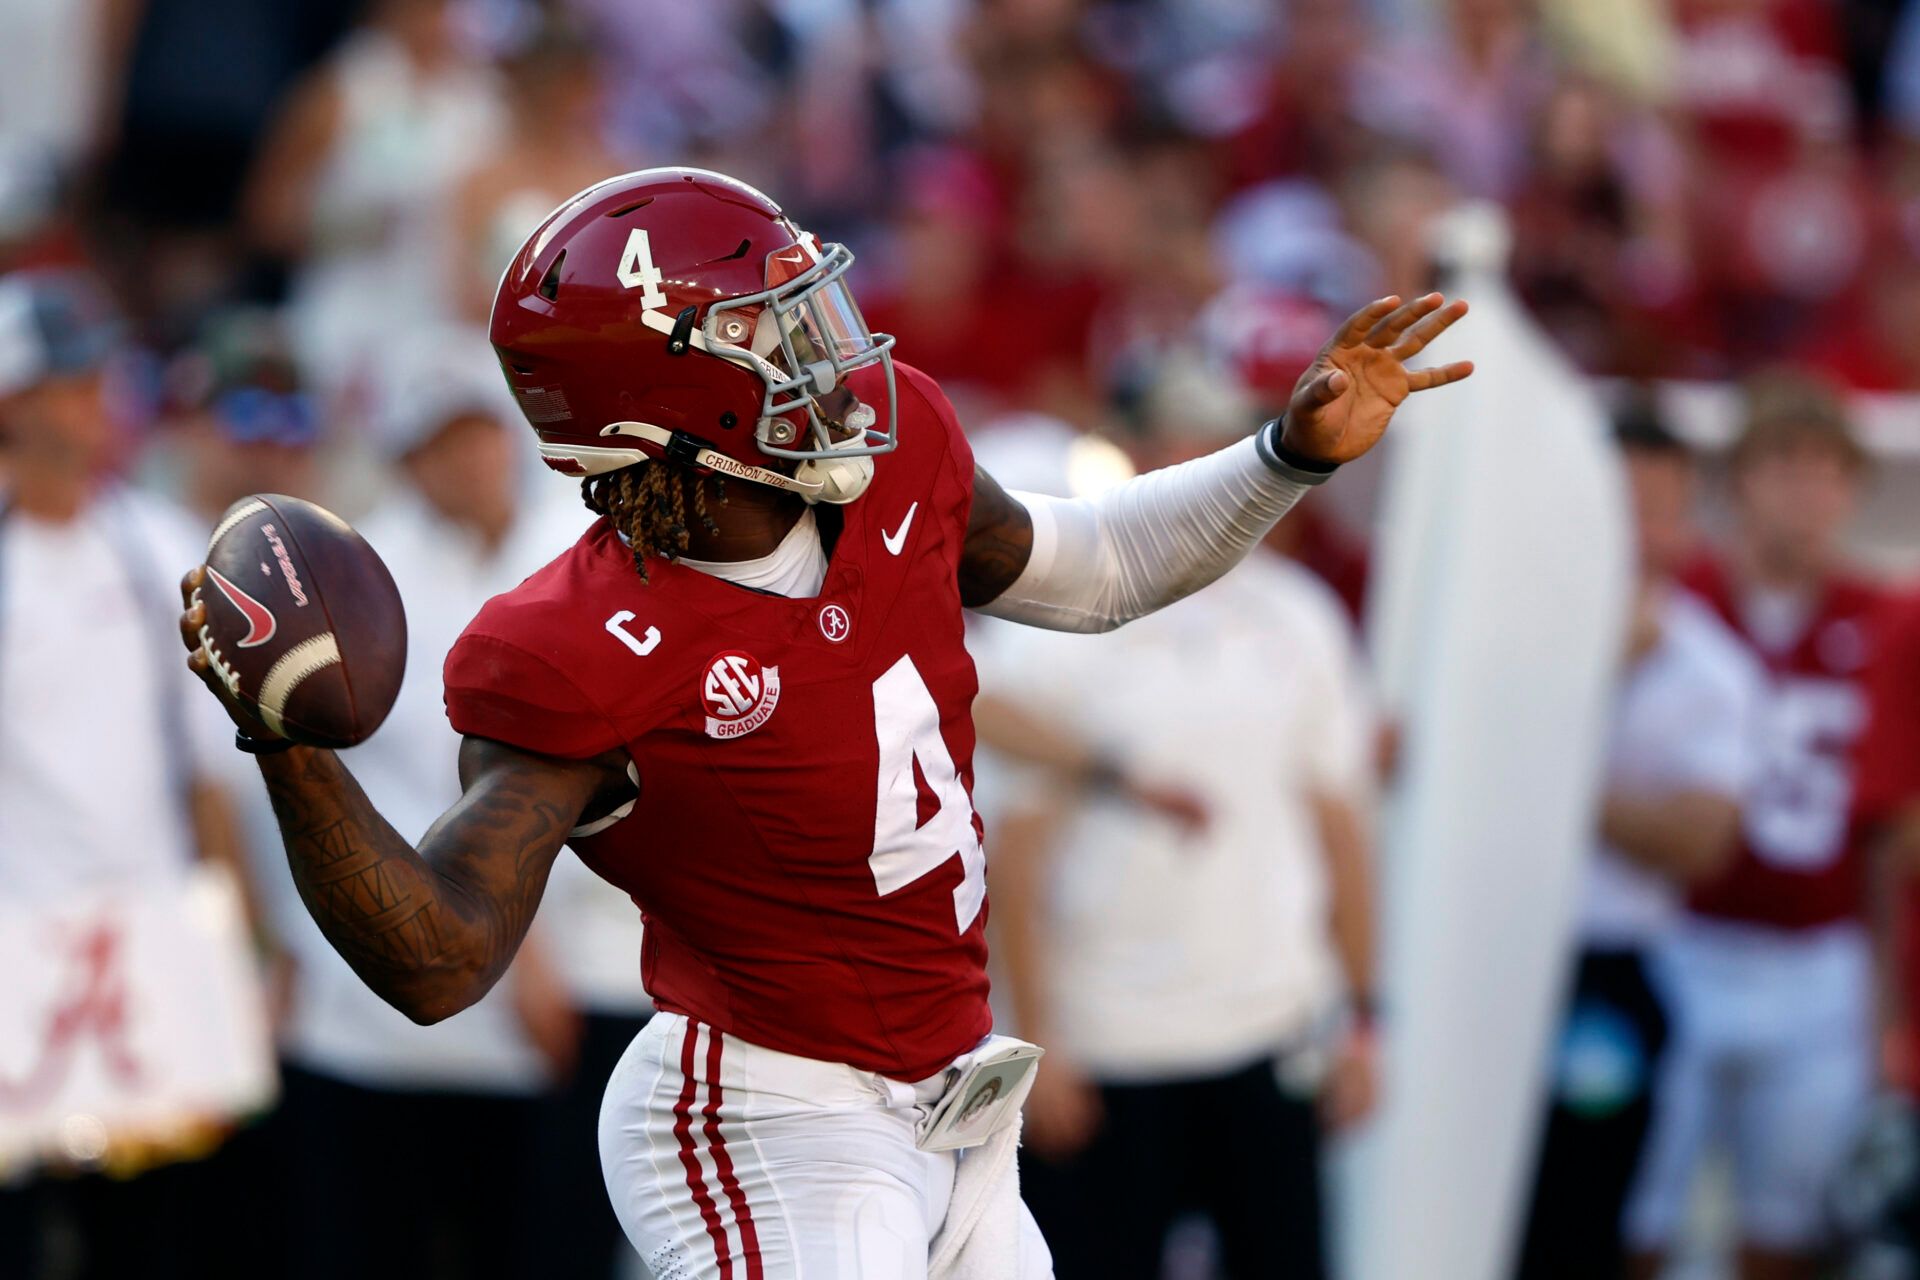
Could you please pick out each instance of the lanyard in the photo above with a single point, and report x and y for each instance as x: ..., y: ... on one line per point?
x: 138, y: 570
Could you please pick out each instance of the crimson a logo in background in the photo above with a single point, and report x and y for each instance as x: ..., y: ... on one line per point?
x: 835, y: 624
x: 739, y: 694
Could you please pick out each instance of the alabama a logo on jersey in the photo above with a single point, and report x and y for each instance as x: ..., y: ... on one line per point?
x: 739, y: 694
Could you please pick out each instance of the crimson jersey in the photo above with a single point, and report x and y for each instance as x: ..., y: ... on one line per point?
x: 1889, y: 762
x: 803, y: 847
x: 1889, y: 755
x: 1800, y: 864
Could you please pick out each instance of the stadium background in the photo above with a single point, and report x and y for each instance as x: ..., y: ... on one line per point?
x: 1061, y: 208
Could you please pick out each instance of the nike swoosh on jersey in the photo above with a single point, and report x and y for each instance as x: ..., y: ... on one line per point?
x: 260, y: 620
x: 897, y: 540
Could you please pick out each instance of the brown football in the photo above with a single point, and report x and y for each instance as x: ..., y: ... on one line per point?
x: 304, y: 623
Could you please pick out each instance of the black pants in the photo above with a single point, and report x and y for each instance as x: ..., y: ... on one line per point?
x: 579, y: 1237
x: 1236, y: 1147
x: 408, y: 1185
x: 1597, y: 1121
x: 203, y: 1219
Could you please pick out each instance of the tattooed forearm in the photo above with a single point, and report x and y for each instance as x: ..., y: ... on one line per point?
x: 429, y: 930
x: 999, y: 542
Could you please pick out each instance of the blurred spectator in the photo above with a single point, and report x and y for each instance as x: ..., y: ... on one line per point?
x: 1870, y: 347
x: 1770, y: 971
x: 51, y: 88
x: 681, y: 74
x: 355, y: 183
x: 553, y: 146
x: 186, y: 89
x: 1466, y: 97
x: 240, y: 416
x: 1757, y: 78
x: 1600, y: 224
x: 1681, y: 755
x: 994, y: 328
x: 1180, y: 937
x: 414, y: 1147
x: 106, y: 793
x: 1388, y: 199
x: 1305, y: 123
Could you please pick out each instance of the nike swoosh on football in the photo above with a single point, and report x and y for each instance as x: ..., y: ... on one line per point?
x: 897, y: 540
x: 260, y: 620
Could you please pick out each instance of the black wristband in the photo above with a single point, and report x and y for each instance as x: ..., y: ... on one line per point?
x: 1286, y: 462
x: 262, y: 746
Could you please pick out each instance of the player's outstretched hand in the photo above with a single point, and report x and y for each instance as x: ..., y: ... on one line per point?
x: 1343, y: 402
x: 193, y: 620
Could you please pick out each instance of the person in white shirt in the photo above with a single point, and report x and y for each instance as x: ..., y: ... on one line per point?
x: 1683, y: 748
x: 445, y: 1116
x: 106, y: 797
x: 1184, y: 912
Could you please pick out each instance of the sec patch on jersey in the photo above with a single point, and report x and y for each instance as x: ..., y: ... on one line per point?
x: 304, y: 624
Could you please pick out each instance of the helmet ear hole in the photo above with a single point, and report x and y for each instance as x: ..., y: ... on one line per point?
x: 728, y: 420
x: 550, y: 282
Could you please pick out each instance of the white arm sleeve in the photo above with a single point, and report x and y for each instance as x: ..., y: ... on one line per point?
x: 1104, y: 560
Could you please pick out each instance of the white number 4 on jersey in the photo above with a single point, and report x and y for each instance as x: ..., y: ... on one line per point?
x: 907, y: 722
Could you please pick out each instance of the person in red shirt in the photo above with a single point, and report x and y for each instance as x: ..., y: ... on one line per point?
x: 743, y: 696
x: 1770, y: 974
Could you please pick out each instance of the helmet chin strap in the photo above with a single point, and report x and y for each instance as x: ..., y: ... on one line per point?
x: 683, y: 448
x: 841, y: 480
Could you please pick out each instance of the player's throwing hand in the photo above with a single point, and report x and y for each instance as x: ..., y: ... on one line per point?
x: 1343, y: 402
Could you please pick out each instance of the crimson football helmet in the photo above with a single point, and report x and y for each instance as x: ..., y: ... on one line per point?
x: 677, y: 313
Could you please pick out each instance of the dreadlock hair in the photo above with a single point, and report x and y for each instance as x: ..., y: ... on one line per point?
x: 647, y: 504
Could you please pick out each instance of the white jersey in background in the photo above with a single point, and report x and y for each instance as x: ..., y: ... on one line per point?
x: 403, y: 143
x: 1686, y: 718
x: 131, y: 1005
x: 1187, y: 953
x: 101, y: 726
x: 339, y: 1026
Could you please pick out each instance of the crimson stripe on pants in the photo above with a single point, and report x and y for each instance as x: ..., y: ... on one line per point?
x: 690, y: 1160
x: 723, y: 1162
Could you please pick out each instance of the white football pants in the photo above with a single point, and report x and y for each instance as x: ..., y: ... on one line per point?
x: 728, y: 1161
x: 1771, y: 1060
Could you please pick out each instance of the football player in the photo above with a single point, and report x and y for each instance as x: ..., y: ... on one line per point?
x: 1770, y: 976
x: 743, y: 696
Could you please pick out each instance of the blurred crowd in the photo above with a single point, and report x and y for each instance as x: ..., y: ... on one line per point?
x: 1045, y: 194
x: 277, y: 228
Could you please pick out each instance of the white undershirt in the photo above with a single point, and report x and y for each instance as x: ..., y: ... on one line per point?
x: 1683, y: 718
x: 794, y: 569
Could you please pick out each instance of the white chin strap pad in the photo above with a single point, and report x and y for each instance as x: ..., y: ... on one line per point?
x: 841, y: 480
